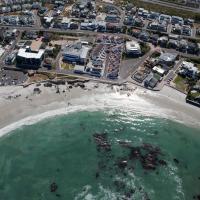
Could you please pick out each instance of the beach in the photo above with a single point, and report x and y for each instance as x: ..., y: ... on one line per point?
x: 20, y: 104
x: 98, y: 141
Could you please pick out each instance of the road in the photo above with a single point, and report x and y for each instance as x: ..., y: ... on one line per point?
x: 173, y: 5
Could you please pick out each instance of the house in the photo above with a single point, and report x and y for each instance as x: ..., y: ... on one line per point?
x: 155, y: 25
x: 177, y: 20
x: 113, y: 28
x: 112, y: 18
x: 16, y: 8
x: 136, y: 32
x: 129, y: 20
x: 152, y: 82
x: 138, y: 22
x: 183, y: 45
x: 76, y: 53
x: 166, y: 18
x: 186, y: 30
x: 192, y: 48
x: 177, y: 29
x: 159, y: 70
x: 153, y: 16
x: 65, y: 23
x: 101, y: 26
x: 48, y: 21
x: 154, y: 39
x: 88, y: 25
x: 144, y: 36
x: 173, y: 44
x: 188, y: 22
x: 188, y: 69
x: 167, y: 59
x: 162, y: 41
x: 133, y: 48
x: 10, y: 59
x: 73, y: 25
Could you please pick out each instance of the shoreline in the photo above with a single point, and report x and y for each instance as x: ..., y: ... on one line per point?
x: 26, y: 107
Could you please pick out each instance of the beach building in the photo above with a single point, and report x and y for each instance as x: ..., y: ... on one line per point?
x: 167, y: 58
x: 177, y: 20
x: 159, y: 70
x: 133, y: 48
x: 166, y: 18
x: 76, y: 53
x: 65, y: 22
x: 188, y: 69
x: 30, y: 56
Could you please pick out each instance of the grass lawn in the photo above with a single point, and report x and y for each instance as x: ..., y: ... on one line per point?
x: 180, y: 83
x: 67, y: 66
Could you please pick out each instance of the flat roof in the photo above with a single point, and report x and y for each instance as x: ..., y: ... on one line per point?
x: 23, y: 53
x: 65, y: 20
x: 35, y: 45
x: 132, y: 45
x: 77, y: 49
x: 159, y: 70
x: 168, y: 57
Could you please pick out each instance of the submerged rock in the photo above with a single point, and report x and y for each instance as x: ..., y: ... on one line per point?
x: 53, y: 187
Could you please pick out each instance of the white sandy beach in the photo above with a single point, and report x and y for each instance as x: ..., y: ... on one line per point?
x: 15, y: 112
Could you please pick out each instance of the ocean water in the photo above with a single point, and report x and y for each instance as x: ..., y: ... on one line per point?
x: 94, y: 155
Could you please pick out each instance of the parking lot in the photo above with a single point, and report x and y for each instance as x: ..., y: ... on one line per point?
x: 8, y: 77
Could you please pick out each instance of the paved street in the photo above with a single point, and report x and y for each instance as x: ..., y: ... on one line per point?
x: 173, y: 5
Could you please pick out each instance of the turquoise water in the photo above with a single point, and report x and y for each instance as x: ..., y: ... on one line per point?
x: 64, y: 151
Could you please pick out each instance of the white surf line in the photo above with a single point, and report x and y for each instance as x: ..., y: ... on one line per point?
x: 104, y: 102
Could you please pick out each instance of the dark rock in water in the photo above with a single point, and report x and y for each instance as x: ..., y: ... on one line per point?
x: 156, y: 132
x: 97, y: 175
x: 120, y: 185
x: 125, y: 144
x: 101, y: 141
x: 128, y: 194
x: 58, y: 195
x: 146, y: 196
x: 176, y: 160
x: 132, y: 191
x: 162, y: 162
x: 101, y: 165
x: 122, y: 163
x: 53, y: 187
x: 196, y: 197
x: 135, y: 152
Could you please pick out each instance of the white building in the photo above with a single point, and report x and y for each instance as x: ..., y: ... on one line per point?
x: 188, y: 69
x: 31, y: 56
x: 133, y: 48
x: 76, y: 53
x: 159, y: 70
